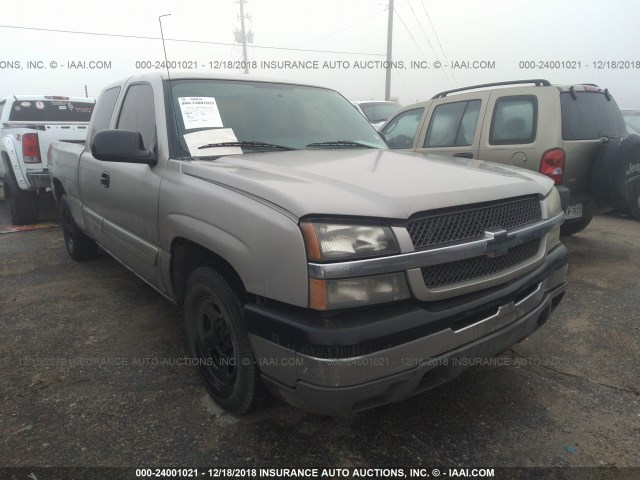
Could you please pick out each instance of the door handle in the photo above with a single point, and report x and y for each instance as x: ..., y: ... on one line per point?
x: 464, y: 154
x: 104, y: 179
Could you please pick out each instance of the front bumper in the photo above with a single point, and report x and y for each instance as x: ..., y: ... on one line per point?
x: 348, y: 362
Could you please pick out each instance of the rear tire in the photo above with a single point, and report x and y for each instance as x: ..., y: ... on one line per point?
x: 21, y: 204
x: 80, y: 246
x: 218, y: 340
x: 574, y: 227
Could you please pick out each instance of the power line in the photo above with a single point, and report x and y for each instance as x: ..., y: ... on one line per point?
x: 437, y: 38
x: 409, y: 32
x: 342, y: 29
x: 425, y: 36
x: 414, y: 41
x: 141, y: 37
x: 425, y: 33
x: 406, y: 90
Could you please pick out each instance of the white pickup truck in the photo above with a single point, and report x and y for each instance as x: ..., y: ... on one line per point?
x: 28, y: 125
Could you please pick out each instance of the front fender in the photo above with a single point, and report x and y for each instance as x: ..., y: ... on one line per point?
x: 264, y: 246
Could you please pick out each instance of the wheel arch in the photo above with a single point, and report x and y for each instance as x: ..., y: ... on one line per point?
x: 10, y: 160
x: 4, y: 160
x: 187, y: 255
x: 58, y: 189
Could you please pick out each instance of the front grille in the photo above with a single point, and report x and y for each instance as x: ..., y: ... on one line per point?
x: 458, y: 225
x: 472, y: 268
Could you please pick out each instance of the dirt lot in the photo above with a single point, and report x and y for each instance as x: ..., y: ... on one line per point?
x: 567, y: 396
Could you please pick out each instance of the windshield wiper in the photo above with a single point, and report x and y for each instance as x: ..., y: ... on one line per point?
x: 340, y: 144
x: 246, y: 144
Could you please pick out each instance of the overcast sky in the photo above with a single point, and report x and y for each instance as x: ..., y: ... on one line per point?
x: 587, y: 36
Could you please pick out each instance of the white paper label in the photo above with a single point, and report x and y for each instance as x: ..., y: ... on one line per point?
x: 200, y: 112
x: 196, y: 140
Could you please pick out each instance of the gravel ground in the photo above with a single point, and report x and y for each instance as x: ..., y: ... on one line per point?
x: 567, y: 396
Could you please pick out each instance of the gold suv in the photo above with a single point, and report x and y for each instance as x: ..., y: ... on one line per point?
x: 574, y: 134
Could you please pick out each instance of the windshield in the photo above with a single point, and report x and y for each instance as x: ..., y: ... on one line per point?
x: 377, y: 112
x: 272, y: 114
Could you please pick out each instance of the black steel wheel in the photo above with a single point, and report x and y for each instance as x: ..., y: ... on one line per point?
x: 218, y: 340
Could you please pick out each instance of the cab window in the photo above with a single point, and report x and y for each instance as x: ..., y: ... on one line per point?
x: 514, y: 120
x: 453, y: 124
x: 138, y: 113
x: 401, y: 131
x: 104, y: 110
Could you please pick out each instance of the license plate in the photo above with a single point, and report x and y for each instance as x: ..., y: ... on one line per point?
x: 574, y: 211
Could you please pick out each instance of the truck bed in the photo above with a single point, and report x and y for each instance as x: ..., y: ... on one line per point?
x: 63, y: 158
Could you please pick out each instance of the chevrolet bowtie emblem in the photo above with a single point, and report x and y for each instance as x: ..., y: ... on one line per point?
x: 499, y: 242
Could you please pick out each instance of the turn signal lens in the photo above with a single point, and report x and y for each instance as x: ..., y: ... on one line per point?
x: 355, y: 292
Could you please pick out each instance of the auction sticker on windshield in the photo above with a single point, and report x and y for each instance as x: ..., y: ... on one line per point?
x: 196, y: 142
x: 200, y: 112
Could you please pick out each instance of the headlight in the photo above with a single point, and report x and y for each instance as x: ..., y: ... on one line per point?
x: 354, y: 292
x: 553, y: 205
x: 332, y: 241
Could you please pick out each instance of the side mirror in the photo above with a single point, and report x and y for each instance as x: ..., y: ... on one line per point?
x: 121, y: 146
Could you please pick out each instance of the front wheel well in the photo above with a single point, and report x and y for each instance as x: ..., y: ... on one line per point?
x: 187, y: 255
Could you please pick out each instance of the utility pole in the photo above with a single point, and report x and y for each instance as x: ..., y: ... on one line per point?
x: 243, y: 36
x: 387, y: 87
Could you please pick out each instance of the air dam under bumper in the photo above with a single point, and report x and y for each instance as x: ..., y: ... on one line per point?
x: 341, y: 386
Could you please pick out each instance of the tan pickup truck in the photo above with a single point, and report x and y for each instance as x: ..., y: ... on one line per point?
x: 308, y: 257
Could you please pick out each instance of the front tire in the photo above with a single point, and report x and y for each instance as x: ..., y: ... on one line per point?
x: 80, y: 246
x: 218, y: 340
x: 22, y: 204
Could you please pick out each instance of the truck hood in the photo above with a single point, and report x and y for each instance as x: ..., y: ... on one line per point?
x: 370, y: 183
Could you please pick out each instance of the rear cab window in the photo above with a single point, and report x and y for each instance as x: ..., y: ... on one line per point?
x: 514, y: 120
x: 57, y: 110
x: 589, y: 116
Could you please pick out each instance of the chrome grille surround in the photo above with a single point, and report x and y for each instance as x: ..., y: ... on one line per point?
x: 472, y: 221
x: 444, y: 274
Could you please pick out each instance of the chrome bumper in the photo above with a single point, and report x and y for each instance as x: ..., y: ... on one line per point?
x: 38, y: 180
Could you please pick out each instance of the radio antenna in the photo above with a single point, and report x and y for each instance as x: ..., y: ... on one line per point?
x: 166, y: 62
x: 164, y: 47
